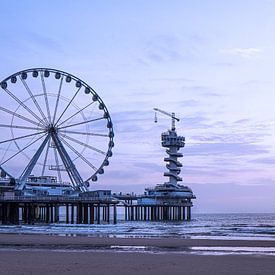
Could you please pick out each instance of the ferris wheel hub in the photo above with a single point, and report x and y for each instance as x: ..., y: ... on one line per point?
x: 51, y: 129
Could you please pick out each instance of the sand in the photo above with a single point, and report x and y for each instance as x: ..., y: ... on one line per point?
x: 43, y: 254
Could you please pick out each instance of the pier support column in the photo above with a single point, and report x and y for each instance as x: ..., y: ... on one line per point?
x: 145, y: 212
x: 31, y: 213
x: 24, y: 213
x: 179, y: 213
x: 47, y: 213
x: 125, y: 213
x: 72, y: 213
x: 15, y: 213
x: 67, y: 213
x: 1, y: 212
x: 52, y: 213
x: 165, y: 213
x: 79, y: 217
x: 85, y: 208
x: 157, y: 213
x: 188, y: 213
x: 92, y: 214
x: 138, y: 213
x: 108, y: 213
x: 56, y: 213
x: 132, y: 212
x: 115, y: 214
x: 4, y: 213
x: 98, y: 214
x: 183, y: 213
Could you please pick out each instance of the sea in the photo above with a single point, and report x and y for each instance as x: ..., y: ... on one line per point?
x: 233, y: 226
x: 202, y: 226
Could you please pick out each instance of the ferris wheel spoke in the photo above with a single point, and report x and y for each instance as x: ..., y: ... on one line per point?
x: 57, y: 100
x: 7, y: 149
x: 22, y: 137
x: 21, y: 150
x: 67, y: 106
x: 45, y: 96
x: 84, y: 144
x: 79, y: 155
x: 23, y: 105
x: 19, y: 116
x: 33, y: 98
x: 83, y: 133
x: 80, y: 123
x: 46, y: 156
x: 76, y: 113
x: 17, y: 127
x: 57, y: 165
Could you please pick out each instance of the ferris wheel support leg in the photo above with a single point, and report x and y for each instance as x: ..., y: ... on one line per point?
x: 74, y: 175
x: 26, y: 173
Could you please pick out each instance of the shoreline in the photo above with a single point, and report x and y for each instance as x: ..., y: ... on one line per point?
x: 47, y: 254
x: 49, y: 239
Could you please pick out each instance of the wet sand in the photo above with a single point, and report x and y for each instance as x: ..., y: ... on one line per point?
x: 43, y: 254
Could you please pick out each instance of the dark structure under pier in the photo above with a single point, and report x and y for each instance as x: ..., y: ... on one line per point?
x: 30, y: 210
x: 157, y: 213
x: 155, y: 208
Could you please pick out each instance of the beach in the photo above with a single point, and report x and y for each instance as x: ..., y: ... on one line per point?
x: 46, y: 254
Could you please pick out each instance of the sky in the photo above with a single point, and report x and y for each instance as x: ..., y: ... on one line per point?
x: 211, y: 62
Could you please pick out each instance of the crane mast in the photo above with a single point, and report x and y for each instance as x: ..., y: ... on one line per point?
x: 172, y: 115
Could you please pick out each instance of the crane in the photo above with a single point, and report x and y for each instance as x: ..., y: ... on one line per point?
x: 172, y: 115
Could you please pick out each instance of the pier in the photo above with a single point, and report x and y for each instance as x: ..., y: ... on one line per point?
x: 48, y: 161
x: 157, y: 213
x: 164, y: 208
x: 88, y: 210
x: 31, y: 210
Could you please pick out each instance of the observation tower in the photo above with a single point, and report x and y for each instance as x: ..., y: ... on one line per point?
x: 174, y: 196
x: 173, y: 143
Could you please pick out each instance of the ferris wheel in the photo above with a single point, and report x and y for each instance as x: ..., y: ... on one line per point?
x: 53, y: 124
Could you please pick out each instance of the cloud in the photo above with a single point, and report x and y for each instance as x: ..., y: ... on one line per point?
x: 171, y: 48
x: 243, y: 52
x: 267, y: 160
x: 202, y: 91
x: 173, y: 79
x: 229, y: 149
x: 223, y: 64
x: 163, y: 48
x: 242, y: 121
x: 43, y: 41
x: 188, y: 103
x: 229, y: 137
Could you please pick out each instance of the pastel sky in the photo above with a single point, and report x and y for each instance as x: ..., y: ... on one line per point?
x: 211, y: 62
